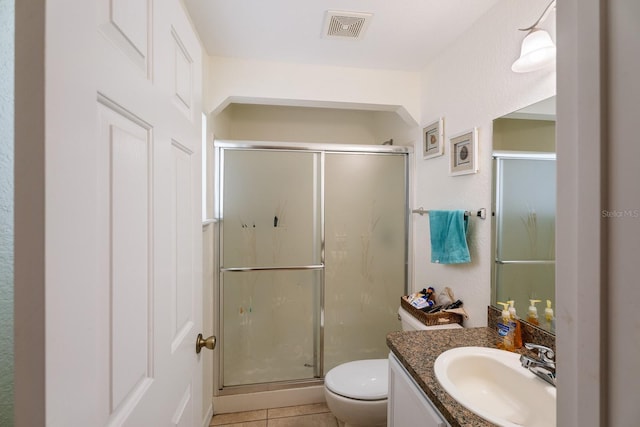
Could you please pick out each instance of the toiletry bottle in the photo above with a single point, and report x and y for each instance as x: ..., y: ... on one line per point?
x: 517, y: 336
x: 532, y: 315
x: 431, y: 293
x: 548, y: 315
x: 414, y: 296
x: 455, y: 304
x: 505, y: 329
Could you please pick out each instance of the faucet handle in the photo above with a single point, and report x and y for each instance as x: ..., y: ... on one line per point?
x: 544, y: 353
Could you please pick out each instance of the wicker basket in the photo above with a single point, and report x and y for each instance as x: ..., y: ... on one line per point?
x: 439, y: 318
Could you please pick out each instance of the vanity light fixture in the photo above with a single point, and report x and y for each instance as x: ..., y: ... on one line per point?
x: 538, y: 50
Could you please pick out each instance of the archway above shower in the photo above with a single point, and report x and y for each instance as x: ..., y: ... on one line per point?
x: 284, y: 120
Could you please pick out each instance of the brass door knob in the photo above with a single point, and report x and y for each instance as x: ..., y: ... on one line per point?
x: 210, y: 343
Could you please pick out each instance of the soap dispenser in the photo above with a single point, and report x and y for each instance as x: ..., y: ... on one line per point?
x: 532, y: 315
x: 517, y: 331
x: 505, y: 329
x: 548, y: 315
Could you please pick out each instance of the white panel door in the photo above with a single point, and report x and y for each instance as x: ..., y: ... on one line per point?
x: 124, y: 249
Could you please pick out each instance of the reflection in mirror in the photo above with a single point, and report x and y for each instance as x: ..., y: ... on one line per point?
x: 524, y: 205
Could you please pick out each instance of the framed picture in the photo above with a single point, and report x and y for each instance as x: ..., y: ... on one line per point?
x: 432, y: 139
x: 463, y: 153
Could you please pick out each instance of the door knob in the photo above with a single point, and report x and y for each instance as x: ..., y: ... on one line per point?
x: 210, y: 343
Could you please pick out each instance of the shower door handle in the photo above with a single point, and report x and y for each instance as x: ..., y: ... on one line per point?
x: 209, y: 343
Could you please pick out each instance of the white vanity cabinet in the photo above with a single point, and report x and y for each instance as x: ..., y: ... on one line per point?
x: 408, y: 405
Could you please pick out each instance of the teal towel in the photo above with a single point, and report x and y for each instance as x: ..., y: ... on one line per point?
x: 449, y: 237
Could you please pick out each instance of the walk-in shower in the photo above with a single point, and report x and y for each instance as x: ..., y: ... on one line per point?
x: 312, y: 257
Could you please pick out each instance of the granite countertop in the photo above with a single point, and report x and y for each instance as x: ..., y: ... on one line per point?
x: 418, y: 350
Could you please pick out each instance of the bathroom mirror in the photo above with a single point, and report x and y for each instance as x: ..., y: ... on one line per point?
x: 524, y: 206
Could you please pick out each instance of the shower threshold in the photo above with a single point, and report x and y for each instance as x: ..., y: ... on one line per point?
x: 273, y: 386
x: 268, y: 396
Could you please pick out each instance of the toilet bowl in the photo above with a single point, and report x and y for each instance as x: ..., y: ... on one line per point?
x: 356, y: 392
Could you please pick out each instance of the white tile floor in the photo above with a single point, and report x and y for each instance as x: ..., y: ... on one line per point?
x: 315, y: 415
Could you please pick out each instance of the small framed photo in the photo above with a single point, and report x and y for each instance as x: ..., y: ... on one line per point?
x: 432, y: 139
x: 463, y: 153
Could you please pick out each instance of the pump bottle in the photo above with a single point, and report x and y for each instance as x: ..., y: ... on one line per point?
x: 532, y: 314
x: 517, y: 328
x: 548, y: 315
x: 505, y: 329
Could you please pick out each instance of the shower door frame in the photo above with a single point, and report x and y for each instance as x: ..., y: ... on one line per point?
x: 322, y: 149
x: 498, y: 159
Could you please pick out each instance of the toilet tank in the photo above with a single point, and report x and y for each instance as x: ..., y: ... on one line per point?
x: 410, y: 323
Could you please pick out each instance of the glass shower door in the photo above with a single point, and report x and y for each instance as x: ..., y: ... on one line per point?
x: 271, y: 267
x: 525, y: 229
x: 365, y: 253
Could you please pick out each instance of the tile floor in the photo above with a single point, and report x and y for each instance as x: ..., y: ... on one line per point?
x: 315, y: 415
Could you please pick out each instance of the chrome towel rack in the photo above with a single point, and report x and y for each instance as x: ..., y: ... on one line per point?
x: 480, y: 213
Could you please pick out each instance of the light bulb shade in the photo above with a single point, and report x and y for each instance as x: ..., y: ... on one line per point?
x: 538, y: 51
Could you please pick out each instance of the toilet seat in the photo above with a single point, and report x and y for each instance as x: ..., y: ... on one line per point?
x: 361, y: 379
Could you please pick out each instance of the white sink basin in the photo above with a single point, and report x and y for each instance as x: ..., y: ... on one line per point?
x: 492, y: 384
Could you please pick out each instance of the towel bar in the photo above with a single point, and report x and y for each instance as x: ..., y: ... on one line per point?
x: 480, y: 213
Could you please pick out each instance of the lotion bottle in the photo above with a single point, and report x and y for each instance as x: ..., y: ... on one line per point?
x: 517, y: 331
x: 505, y: 329
x: 532, y: 315
x: 548, y: 315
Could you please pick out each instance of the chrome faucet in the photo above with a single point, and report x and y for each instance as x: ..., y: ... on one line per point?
x: 544, y: 366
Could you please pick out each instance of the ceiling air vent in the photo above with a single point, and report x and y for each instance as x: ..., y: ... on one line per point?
x: 351, y: 25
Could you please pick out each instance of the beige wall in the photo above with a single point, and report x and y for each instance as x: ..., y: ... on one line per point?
x: 524, y: 135
x: 264, y: 82
x: 299, y: 124
x: 307, y: 124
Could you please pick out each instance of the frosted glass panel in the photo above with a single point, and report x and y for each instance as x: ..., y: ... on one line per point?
x: 270, y: 320
x: 525, y: 212
x: 526, y: 209
x: 365, y: 238
x: 270, y: 211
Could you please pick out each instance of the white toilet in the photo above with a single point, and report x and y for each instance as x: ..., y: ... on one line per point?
x: 356, y: 392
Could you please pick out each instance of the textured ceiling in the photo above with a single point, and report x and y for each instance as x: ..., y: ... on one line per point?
x: 402, y: 35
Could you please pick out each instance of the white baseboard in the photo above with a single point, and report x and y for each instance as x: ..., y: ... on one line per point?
x: 206, y: 422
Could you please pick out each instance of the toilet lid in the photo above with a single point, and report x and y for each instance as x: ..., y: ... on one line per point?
x: 362, y: 379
